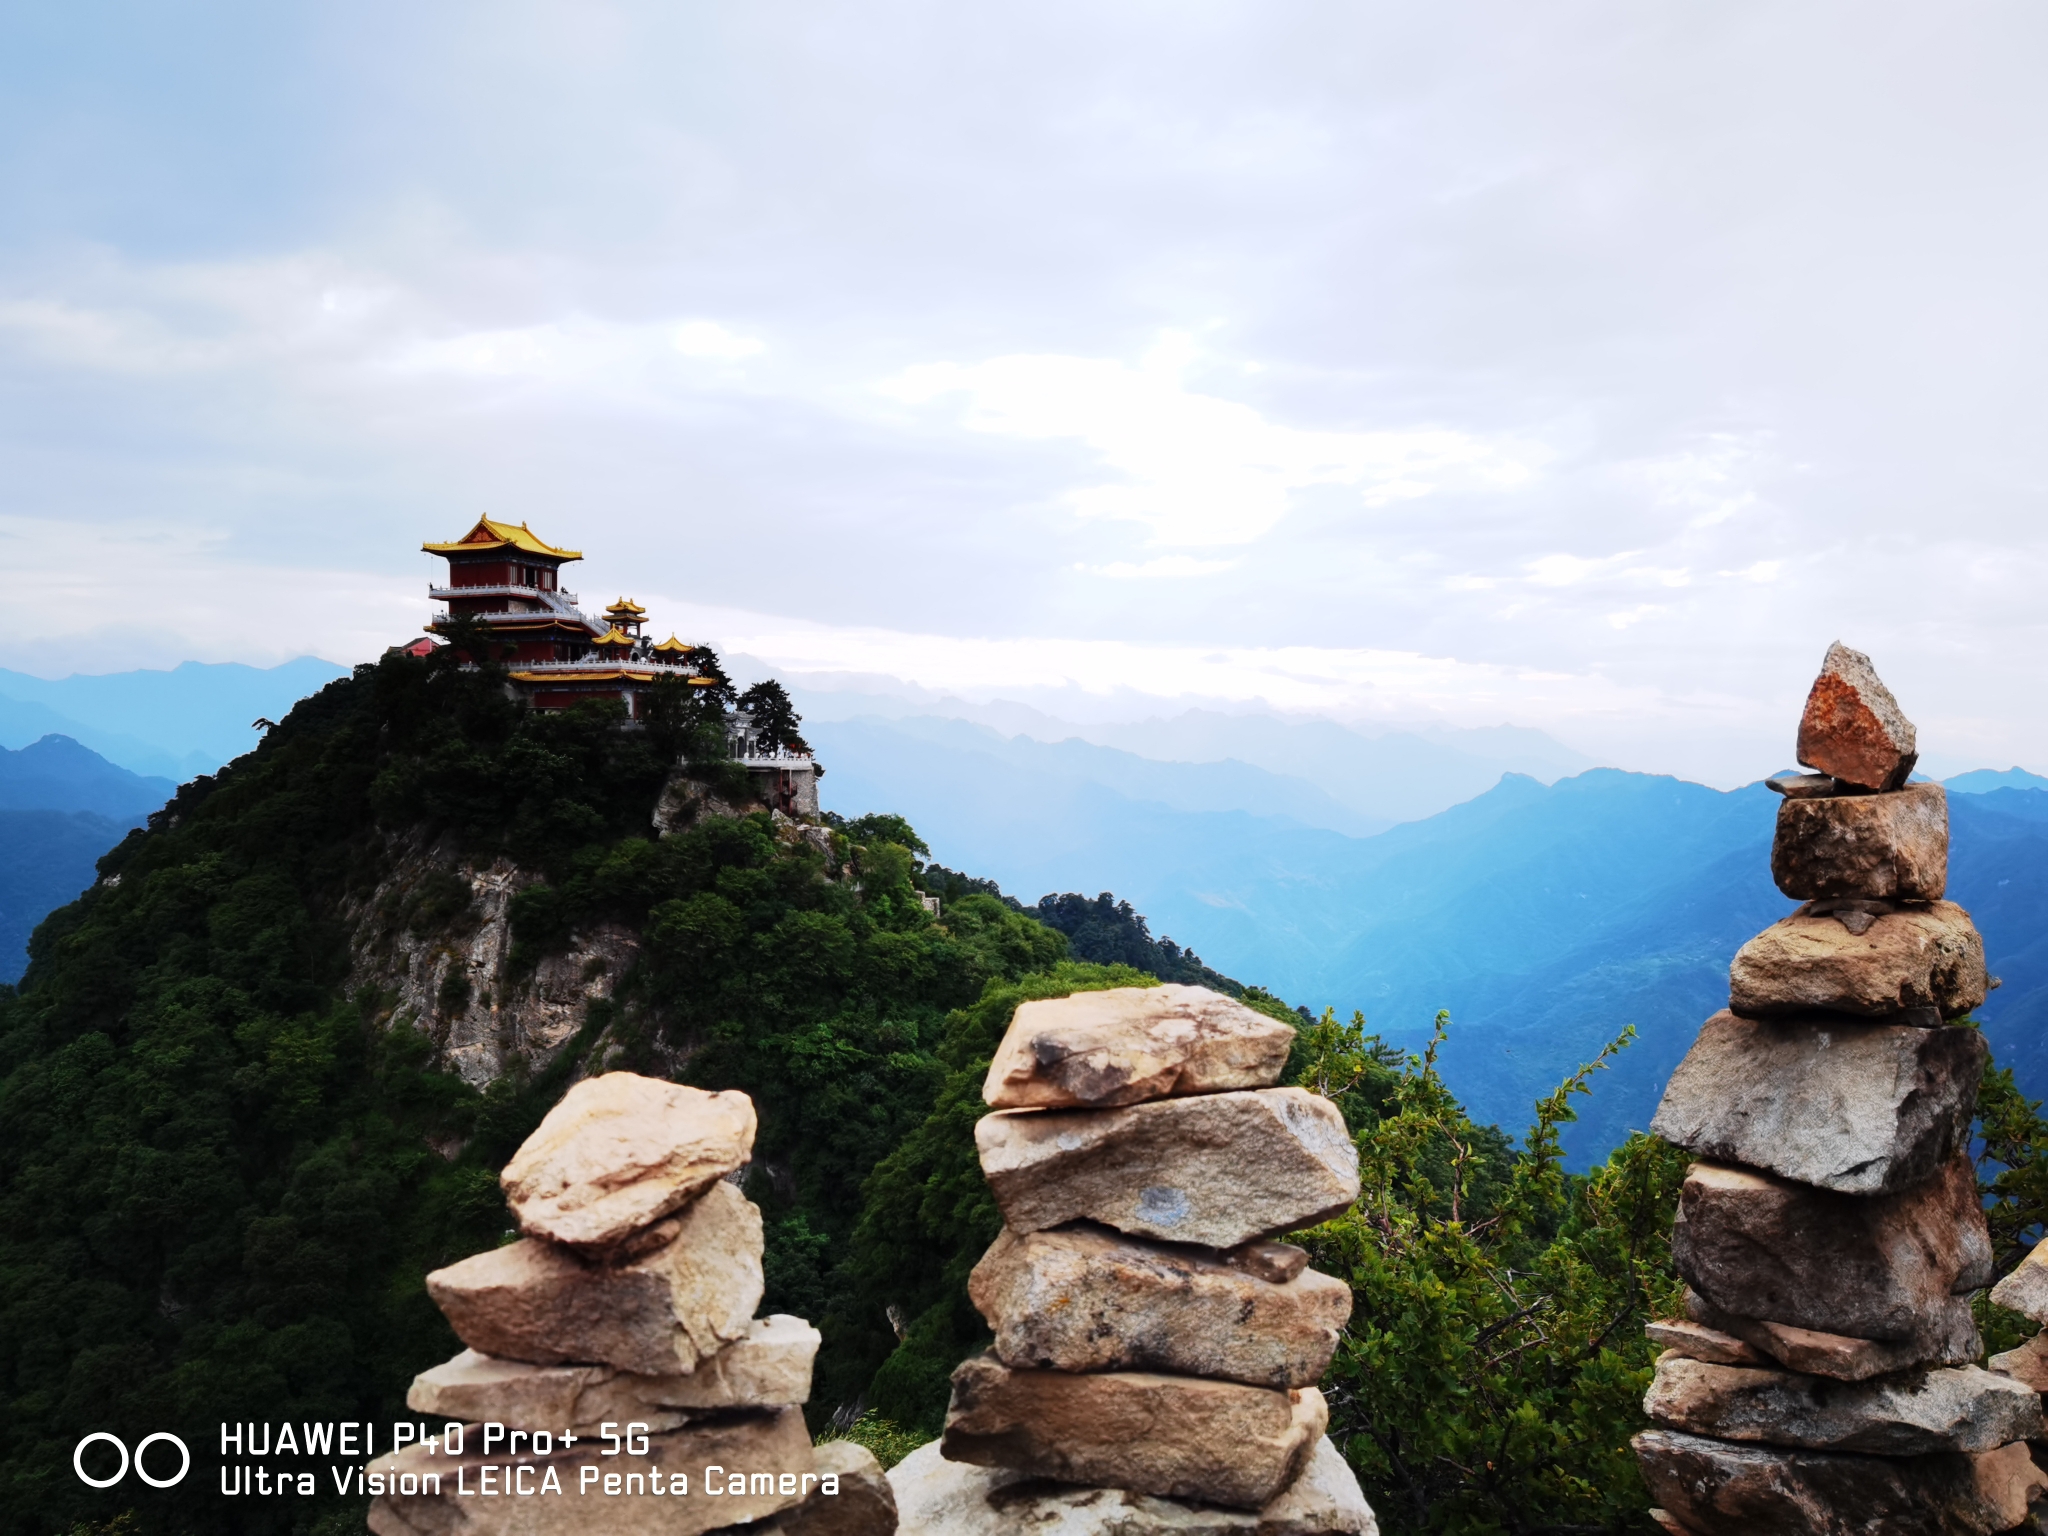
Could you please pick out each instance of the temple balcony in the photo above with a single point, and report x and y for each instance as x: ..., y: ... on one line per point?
x: 554, y: 596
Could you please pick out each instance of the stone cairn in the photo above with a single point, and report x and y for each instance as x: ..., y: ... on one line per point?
x: 1155, y: 1357
x: 614, y: 1355
x: 1831, y: 1235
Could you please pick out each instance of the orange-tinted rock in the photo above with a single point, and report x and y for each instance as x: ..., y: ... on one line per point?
x: 1886, y: 847
x: 1696, y: 1341
x: 1951, y: 1338
x: 2027, y: 1365
x: 1853, y: 729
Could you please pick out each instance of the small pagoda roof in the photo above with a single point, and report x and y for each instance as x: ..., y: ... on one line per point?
x: 626, y: 605
x: 674, y: 647
x: 613, y: 636
x: 487, y: 537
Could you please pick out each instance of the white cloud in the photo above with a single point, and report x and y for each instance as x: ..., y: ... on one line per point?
x: 707, y: 338
x: 1165, y: 568
x: 1197, y: 469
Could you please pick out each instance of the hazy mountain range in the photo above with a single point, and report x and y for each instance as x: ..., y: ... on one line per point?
x: 1544, y: 902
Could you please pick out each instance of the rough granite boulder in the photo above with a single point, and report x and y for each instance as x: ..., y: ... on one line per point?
x: 1175, y: 1436
x: 1716, y: 1488
x: 1885, y: 847
x: 861, y: 1504
x: 1217, y: 1169
x: 936, y: 1497
x: 657, y: 1314
x: 1949, y: 1337
x: 2027, y: 1365
x: 1912, y: 1414
x: 1132, y: 1044
x: 1918, y: 957
x: 1089, y: 1299
x: 1864, y: 1109
x: 1852, y: 728
x: 621, y: 1151
x: 2025, y: 1290
x: 770, y: 1366
x: 659, y: 1493
x: 1869, y: 1266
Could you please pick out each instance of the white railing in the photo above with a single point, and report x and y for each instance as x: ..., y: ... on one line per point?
x: 503, y: 590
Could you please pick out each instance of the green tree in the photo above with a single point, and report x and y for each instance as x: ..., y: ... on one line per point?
x: 776, y: 722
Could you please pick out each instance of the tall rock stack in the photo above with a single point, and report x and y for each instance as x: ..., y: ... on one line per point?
x: 1154, y: 1352
x: 616, y: 1377
x: 1831, y: 1235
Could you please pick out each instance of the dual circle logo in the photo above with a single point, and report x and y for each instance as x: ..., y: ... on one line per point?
x: 78, y: 1460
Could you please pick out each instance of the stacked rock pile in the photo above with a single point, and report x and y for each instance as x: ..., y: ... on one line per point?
x: 1154, y: 1353
x: 616, y: 1378
x: 1831, y: 1235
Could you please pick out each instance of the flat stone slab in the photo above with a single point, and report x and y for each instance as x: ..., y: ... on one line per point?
x: 1178, y: 1437
x: 662, y: 1492
x: 936, y: 1497
x: 771, y: 1366
x: 1089, y: 1299
x: 1715, y: 1488
x: 1917, y: 957
x: 1949, y: 1337
x: 1869, y: 1266
x: 1864, y: 1109
x: 1217, y: 1169
x: 1696, y: 1341
x: 2025, y: 1290
x: 1912, y: 1414
x: 621, y: 1151
x: 655, y: 1315
x: 1886, y: 847
x: 1852, y: 728
x: 1133, y: 1044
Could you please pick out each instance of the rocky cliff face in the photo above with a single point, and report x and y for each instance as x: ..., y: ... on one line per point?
x: 435, y: 940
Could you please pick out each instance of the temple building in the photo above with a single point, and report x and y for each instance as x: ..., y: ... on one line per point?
x: 506, y: 579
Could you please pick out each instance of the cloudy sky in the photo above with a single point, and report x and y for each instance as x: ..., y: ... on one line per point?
x: 1584, y: 366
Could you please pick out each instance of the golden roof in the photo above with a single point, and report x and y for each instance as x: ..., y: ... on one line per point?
x: 626, y: 605
x: 487, y: 536
x: 613, y: 636
x: 674, y: 647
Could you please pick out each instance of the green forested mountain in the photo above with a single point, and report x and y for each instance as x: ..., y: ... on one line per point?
x: 225, y: 1168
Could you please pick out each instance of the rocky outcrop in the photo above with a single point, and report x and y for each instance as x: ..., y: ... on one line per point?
x: 434, y: 940
x: 1928, y: 957
x: 1864, y: 847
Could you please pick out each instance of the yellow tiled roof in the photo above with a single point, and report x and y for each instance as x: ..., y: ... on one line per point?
x: 487, y: 536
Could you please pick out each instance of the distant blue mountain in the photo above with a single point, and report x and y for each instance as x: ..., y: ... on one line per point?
x: 57, y: 774
x: 46, y: 859
x: 175, y: 724
x: 1981, y: 781
x: 61, y: 807
x: 1544, y: 918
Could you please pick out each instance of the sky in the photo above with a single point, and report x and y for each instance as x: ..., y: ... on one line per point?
x: 1586, y: 366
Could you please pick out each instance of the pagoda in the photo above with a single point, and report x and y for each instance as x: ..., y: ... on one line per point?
x: 506, y: 580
